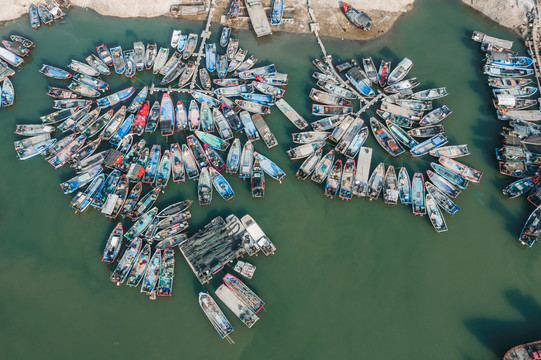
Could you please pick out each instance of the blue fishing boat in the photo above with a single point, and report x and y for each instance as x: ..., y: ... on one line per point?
x: 221, y: 185
x: 138, y: 100
x: 434, y: 214
x: 113, y: 99
x: 126, y: 262
x: 34, y: 16
x: 129, y: 63
x: 418, y: 194
x: 81, y: 179
x: 254, y: 72
x: 118, y: 60
x: 521, y: 186
x: 259, y: 98
x: 7, y: 96
x: 167, y: 116
x: 145, y: 203
x: 113, y: 245
x: 44, y: 14
x: 140, y: 266
x: 152, y: 165
x: 452, y: 177
x: 233, y: 157
x: 359, y: 19
x: 224, y: 37
x: 104, y: 54
x: 277, y: 12
x: 360, y: 81
x: 210, y: 56
x: 428, y: 145
x: 214, y: 158
x: 506, y: 59
x: 123, y: 130
x: 404, y: 186
x: 249, y: 128
x: 231, y: 117
x: 182, y: 39
x: 91, y: 82
x: 269, y: 167
x: 200, y: 97
x: 152, y: 273
x: 54, y: 72
x: 108, y: 188
x: 35, y: 149
x: 221, y: 67
x: 141, y: 224
x: 197, y: 151
x: 81, y: 201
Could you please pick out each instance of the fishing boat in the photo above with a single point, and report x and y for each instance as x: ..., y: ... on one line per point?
x: 308, y: 166
x: 60, y: 144
x: 453, y: 151
x: 104, y: 54
x: 118, y: 60
x: 269, y: 167
x: 428, y: 145
x: 222, y: 126
x: 426, y: 131
x: 16, y: 47
x: 231, y: 91
x: 228, y: 82
x: 327, y: 98
x: 507, y: 71
x: 517, y: 92
x: 113, y: 245
x: 65, y: 153
x: 32, y: 150
x: 85, y: 120
x: 181, y: 117
x: 521, y: 186
x: 360, y: 81
x: 215, y: 315
x: 34, y: 16
x: 434, y: 214
x: 376, y: 182
x: 404, y: 186
x: 150, y: 55
x: 421, y: 105
x: 221, y: 185
x: 401, y: 135
x: 24, y: 41
x: 277, y: 12
x: 370, y: 70
x: 257, y: 181
x: 233, y: 157
x: 91, y: 82
x: 224, y: 37
x: 139, y: 267
x: 453, y: 178
x: 337, y: 90
x: 144, y: 218
x: 160, y: 60
x: 177, y: 164
x: 200, y: 97
x: 126, y: 262
x: 253, y: 72
x: 175, y: 37
x: 175, y: 208
x: 249, y: 128
x: 246, y: 160
x: 400, y: 71
x: 323, y: 167
x: 435, y: 116
x: 204, y: 79
x: 197, y: 151
x: 333, y: 180
x: 206, y: 121
x: 232, y: 48
x: 506, y: 59
x: 247, y: 65
x: 5, y: 70
x: 114, y: 99
x: 391, y: 189
x: 7, y: 96
x: 418, y: 195
x: 441, y: 199
x: 132, y: 199
x: 304, y: 150
x: 231, y: 117
x: 76, y: 90
x: 83, y: 68
x: 264, y: 131
x: 239, y: 58
x: 204, y: 187
x: 153, y: 117
x: 98, y: 64
x: 113, y: 204
x: 139, y: 55
x: 327, y: 123
x: 192, y: 170
x: 360, y: 185
x: 221, y: 67
x: 186, y: 74
x: 167, y: 116
x: 323, y: 110
x: 122, y: 131
x: 10, y: 57
x: 177, y: 218
x: 81, y: 180
x: 275, y: 79
x: 191, y: 43
x: 113, y: 125
x: 57, y: 116
x: 164, y: 170
x: 212, y: 140
x: 152, y: 165
x: 214, y: 158
x: 309, y: 137
x: 152, y: 273
x: 384, y: 71
x: 346, y: 182
x: 44, y: 14
x: 54, y: 72
x: 268, y: 89
x: 508, y: 83
x: 384, y: 138
x: 165, y: 280
x: 357, y: 18
x: 401, y: 86
x: 532, y: 228
x: 430, y: 94
x: 461, y: 169
x: 444, y: 185
x: 81, y: 201
x: 139, y: 123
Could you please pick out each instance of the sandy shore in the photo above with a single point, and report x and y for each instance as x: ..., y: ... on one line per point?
x: 328, y: 13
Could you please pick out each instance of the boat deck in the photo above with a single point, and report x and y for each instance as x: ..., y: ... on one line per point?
x: 244, y: 313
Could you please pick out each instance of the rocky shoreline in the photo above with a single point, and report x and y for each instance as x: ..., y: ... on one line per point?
x: 508, y: 13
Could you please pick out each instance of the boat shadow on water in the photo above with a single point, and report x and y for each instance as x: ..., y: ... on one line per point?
x: 514, y: 219
x: 501, y: 335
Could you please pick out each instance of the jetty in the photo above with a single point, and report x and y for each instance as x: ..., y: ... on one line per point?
x: 531, y: 40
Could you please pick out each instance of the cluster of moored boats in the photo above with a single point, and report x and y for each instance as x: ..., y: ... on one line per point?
x: 87, y: 123
x: 47, y: 12
x: 402, y: 109
x: 520, y: 155
x: 11, y: 54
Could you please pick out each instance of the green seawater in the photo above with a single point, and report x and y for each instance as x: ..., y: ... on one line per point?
x: 350, y: 280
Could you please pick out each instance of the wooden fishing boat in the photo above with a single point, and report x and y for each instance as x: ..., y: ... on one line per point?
x: 114, y: 99
x: 111, y: 128
x: 517, y: 92
x: 191, y: 44
x: 7, y: 96
x: 404, y: 186
x: 333, y: 180
x: 224, y: 37
x: 231, y: 117
x: 16, y: 47
x: 197, y: 151
x: 76, y: 90
x: 167, y: 116
x: 193, y: 116
x: 400, y: 71
x: 200, y: 97
x: 418, y: 195
x: 508, y: 83
x: 269, y: 167
x: 204, y: 187
x: 167, y: 273
x: 187, y: 73
x: 390, y: 187
x: 434, y: 214
x: 204, y: 79
x: 428, y: 145
x: 139, y: 267
x: 257, y: 181
x: 81, y: 200
x: 34, y: 16
x: 152, y: 165
x: 402, y: 86
x: 461, y: 169
x: 337, y: 90
x: 126, y: 262
x: 150, y: 55
x: 521, y: 186
x: 322, y: 110
x: 91, y: 82
x: 304, y: 150
x: 104, y: 54
x: 360, y: 81
x: 397, y: 119
x: 160, y: 60
x: 308, y: 166
x: 215, y: 315
x: 152, y: 273
x: 113, y: 245
x: 233, y: 157
x: 221, y: 185
x: 441, y: 199
x: 232, y: 48
x: 97, y: 64
x: 384, y: 138
x: 246, y: 160
x: 192, y: 170
x: 164, y: 170
x: 54, y: 72
x: 123, y: 130
x: 214, y: 158
x: 453, y: 151
x: 68, y: 151
x: 430, y: 94
x: 532, y: 228
x: 376, y: 182
x: 309, y: 137
x: 247, y: 65
x: 346, y: 182
x: 327, y: 98
x: 132, y: 199
x: 435, y: 116
x: 264, y: 131
x: 401, y: 135
x: 506, y: 71
x: 212, y: 140
x: 384, y: 71
x: 222, y: 126
x: 237, y: 60
x: 44, y: 14
x: 426, y: 131
x: 356, y: 143
x: 357, y: 18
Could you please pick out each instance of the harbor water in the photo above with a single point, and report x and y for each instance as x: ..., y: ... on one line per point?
x: 350, y: 280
